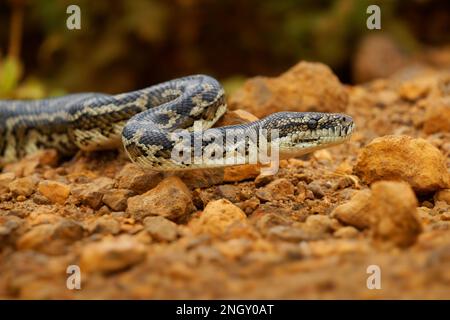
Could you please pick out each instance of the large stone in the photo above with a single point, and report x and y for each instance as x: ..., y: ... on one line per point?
x: 170, y: 199
x: 437, y: 117
x: 218, y: 216
x: 112, y: 254
x: 116, y: 199
x: 25, y: 186
x: 135, y: 178
x: 415, y: 161
x: 54, y: 191
x: 320, y: 91
x: 276, y: 190
x: 91, y: 194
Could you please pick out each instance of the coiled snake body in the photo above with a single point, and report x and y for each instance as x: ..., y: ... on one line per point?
x: 144, y: 121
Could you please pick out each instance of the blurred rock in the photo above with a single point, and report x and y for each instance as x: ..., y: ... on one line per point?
x: 276, y: 190
x: 91, y: 194
x: 234, y: 117
x: 116, y: 199
x: 104, y: 225
x: 354, y: 212
x: 415, y: 161
x: 377, y: 56
x: 437, y: 117
x: 161, y: 229
x: 5, y: 179
x: 28, y: 165
x: 170, y: 199
x: 443, y: 195
x: 217, y: 217
x: 305, y: 87
x: 112, y: 254
x: 241, y: 172
x: 394, y: 217
x: 23, y: 186
x: 199, y: 178
x: 134, y: 178
x: 54, y: 191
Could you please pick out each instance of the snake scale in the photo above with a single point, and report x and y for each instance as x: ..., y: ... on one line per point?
x: 144, y: 121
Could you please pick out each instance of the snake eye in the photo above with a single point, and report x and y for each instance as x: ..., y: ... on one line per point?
x: 312, y: 124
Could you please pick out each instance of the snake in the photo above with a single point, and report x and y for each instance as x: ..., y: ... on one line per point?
x: 150, y: 123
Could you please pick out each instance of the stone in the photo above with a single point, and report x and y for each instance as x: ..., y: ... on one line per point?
x: 276, y: 190
x: 443, y: 195
x: 51, y: 238
x: 394, y: 215
x: 56, y: 192
x: 135, y: 178
x: 91, y: 194
x: 112, y: 254
x: 161, y: 229
x: 229, y: 192
x: 346, y: 232
x: 292, y: 234
x: 319, y: 224
x: 234, y: 117
x: 104, y: 225
x: 241, y: 172
x: 199, y: 178
x: 23, y: 186
x: 5, y: 179
x: 415, y: 161
x: 218, y: 216
x: 116, y: 199
x: 320, y: 91
x: 170, y: 199
x: 316, y: 189
x: 437, y: 116
x: 355, y: 212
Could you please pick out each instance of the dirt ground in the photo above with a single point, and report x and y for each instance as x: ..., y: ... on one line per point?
x: 317, y: 229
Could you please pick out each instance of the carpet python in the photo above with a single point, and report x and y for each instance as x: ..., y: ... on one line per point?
x: 144, y: 123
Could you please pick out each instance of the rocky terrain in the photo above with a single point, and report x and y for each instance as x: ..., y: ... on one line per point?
x: 310, y: 231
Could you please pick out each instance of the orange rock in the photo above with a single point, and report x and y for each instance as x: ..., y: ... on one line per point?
x: 389, y: 210
x: 241, y: 172
x: 112, y: 254
x: 305, y: 87
x: 170, y: 199
x: 137, y: 179
x: 235, y: 117
x: 443, y: 195
x: 218, y: 216
x: 415, y: 161
x: 276, y: 190
x: 437, y: 117
x: 55, y: 191
x: 354, y: 212
x: 394, y: 217
x: 23, y: 186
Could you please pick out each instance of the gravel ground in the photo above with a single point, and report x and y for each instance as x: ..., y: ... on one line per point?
x: 313, y: 230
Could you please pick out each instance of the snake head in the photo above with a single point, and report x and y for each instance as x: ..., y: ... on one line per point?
x: 304, y: 132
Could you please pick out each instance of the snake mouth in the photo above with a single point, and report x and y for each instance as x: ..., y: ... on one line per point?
x: 319, y: 137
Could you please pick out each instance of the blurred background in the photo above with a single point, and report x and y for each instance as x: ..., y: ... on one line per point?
x: 125, y: 45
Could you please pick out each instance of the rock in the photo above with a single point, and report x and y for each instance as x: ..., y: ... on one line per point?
x: 241, y: 172
x: 319, y: 224
x: 276, y: 190
x: 218, y: 216
x: 262, y: 180
x: 437, y: 117
x: 23, y: 186
x: 229, y: 192
x: 394, y: 217
x: 105, y: 225
x: 170, y: 199
x: 346, y: 232
x: 91, y: 194
x: 443, y: 195
x: 316, y: 189
x: 377, y: 56
x: 416, y: 88
x: 415, y: 161
x: 320, y: 91
x: 112, y: 254
x: 291, y: 234
x: 51, y: 238
x: 355, y: 212
x: 199, y: 178
x: 134, y: 178
x: 5, y: 179
x: 28, y: 165
x: 116, y: 199
x: 10, y: 229
x: 161, y: 229
x: 234, y: 117
x: 54, y: 191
